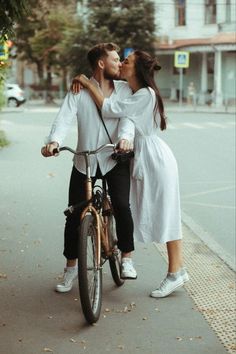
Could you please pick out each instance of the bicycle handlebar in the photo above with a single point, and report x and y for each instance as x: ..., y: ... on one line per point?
x: 87, y: 152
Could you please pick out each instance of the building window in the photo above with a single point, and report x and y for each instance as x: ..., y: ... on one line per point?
x: 210, y: 11
x: 180, y: 13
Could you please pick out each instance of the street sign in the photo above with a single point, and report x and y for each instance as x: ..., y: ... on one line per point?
x: 127, y: 51
x: 181, y: 59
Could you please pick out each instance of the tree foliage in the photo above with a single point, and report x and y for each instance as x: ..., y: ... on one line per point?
x: 55, y: 37
x: 128, y: 23
x: 10, y: 12
x: 45, y: 35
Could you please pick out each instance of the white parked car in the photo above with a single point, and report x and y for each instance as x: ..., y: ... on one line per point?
x: 14, y: 94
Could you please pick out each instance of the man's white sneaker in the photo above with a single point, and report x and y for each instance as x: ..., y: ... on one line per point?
x: 127, y: 269
x: 70, y: 274
x: 172, y: 282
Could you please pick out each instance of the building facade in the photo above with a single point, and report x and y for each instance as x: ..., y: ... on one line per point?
x: 207, y: 30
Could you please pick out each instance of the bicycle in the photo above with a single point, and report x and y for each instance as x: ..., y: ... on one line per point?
x: 97, y: 241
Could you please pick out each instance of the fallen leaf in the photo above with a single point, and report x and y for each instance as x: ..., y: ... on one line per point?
x: 179, y: 338
x: 73, y: 340
x: 125, y: 309
x: 121, y: 347
x: 48, y: 350
x: 3, y: 276
x: 144, y: 318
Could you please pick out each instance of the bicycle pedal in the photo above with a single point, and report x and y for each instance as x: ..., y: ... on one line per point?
x: 69, y: 211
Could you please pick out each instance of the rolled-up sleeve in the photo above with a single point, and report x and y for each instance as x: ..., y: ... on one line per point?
x: 126, y: 129
x: 64, y: 119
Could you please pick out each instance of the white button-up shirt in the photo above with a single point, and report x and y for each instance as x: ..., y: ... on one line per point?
x: 91, y: 132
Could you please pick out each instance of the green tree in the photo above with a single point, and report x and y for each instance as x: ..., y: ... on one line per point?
x: 128, y: 23
x: 10, y: 12
x: 46, y: 36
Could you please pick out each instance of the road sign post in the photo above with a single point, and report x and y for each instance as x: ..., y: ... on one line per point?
x: 181, y: 61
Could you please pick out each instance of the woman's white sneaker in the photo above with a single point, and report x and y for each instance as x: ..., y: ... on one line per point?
x: 70, y: 274
x: 127, y: 269
x: 184, y: 274
x: 172, y: 282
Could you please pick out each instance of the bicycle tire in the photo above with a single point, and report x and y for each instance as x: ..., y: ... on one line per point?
x: 89, y: 276
x: 115, y: 258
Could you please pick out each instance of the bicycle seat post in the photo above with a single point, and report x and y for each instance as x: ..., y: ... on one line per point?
x: 88, y: 182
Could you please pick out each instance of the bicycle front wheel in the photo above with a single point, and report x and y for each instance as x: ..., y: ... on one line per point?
x: 115, y: 258
x: 89, y: 272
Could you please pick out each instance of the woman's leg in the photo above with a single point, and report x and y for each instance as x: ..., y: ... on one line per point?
x: 175, y: 255
x: 177, y: 275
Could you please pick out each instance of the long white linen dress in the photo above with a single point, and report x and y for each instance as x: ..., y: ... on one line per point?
x: 154, y: 197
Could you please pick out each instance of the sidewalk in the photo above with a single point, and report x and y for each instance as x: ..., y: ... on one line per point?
x: 39, y: 105
x: 196, y: 320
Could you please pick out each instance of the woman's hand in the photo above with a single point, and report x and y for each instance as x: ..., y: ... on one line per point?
x: 78, y: 83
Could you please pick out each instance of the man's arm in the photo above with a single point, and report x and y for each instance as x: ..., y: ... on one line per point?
x: 61, y: 124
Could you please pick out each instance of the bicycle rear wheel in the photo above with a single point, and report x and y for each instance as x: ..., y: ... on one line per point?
x: 89, y: 274
x: 115, y: 258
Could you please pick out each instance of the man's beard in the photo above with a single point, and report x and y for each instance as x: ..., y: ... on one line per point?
x: 110, y: 76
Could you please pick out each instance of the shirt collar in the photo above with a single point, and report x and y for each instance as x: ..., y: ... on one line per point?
x: 98, y: 85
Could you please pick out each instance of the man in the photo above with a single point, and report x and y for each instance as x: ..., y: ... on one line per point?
x: 105, y: 63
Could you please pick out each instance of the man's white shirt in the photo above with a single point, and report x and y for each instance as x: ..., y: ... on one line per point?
x: 91, y: 132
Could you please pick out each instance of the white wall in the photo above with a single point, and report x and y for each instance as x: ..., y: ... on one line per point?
x: 195, y: 19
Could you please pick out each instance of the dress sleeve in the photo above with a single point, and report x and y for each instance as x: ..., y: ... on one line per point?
x: 126, y: 130
x: 129, y: 107
x: 64, y: 119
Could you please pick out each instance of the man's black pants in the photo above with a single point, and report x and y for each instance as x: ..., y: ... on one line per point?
x: 118, y: 180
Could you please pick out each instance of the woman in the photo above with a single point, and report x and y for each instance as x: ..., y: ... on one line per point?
x: 154, y: 187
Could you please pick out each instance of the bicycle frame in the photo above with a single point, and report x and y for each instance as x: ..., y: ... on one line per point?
x: 101, y: 227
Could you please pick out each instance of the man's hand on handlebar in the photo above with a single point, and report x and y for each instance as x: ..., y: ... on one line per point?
x: 49, y: 149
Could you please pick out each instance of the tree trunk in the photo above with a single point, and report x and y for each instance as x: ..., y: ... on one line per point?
x: 49, y: 97
x: 40, y: 72
x: 64, y: 79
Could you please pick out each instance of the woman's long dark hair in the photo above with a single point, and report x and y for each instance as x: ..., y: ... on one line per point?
x: 145, y: 66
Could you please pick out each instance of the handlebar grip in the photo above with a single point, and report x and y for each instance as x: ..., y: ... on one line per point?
x: 56, y: 151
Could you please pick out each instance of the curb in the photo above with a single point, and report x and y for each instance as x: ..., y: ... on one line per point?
x: 209, y: 241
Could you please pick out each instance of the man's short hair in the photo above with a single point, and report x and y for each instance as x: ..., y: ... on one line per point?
x: 98, y: 51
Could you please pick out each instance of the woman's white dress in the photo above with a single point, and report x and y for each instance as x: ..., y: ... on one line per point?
x: 154, y: 197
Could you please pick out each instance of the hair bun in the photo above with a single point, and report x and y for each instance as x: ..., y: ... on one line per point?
x: 156, y: 66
